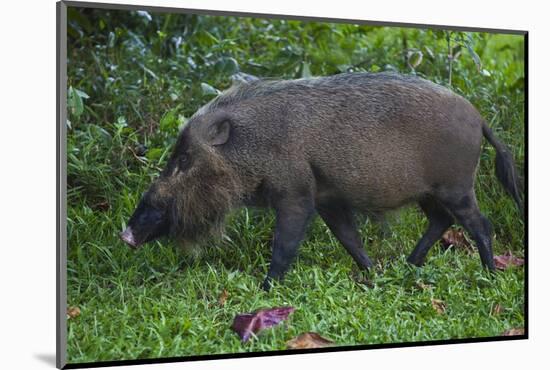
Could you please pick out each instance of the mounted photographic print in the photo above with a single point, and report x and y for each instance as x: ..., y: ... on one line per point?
x: 236, y: 185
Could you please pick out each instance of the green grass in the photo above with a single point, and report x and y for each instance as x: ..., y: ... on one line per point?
x: 160, y: 301
x: 132, y: 87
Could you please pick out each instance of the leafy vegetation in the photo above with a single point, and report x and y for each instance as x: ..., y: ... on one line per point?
x: 134, y: 77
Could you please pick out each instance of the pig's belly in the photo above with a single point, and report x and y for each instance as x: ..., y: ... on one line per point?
x: 375, y: 190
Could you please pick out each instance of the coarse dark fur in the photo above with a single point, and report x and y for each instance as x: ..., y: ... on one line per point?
x: 336, y: 146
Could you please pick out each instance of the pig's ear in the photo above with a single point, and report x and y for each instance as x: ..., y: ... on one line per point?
x: 219, y: 131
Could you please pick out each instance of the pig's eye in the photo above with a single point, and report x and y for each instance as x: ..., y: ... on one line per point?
x: 183, y: 161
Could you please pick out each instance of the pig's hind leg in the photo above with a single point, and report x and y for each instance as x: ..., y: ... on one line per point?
x: 464, y: 207
x: 439, y: 220
x: 341, y: 223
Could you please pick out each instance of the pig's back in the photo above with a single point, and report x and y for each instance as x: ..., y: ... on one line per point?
x: 382, y: 141
x: 376, y: 141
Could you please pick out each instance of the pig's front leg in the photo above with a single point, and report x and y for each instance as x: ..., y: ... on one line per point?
x: 292, y: 218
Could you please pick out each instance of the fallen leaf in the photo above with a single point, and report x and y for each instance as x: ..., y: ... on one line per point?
x: 223, y: 297
x: 308, y: 340
x: 102, y: 206
x: 362, y: 280
x: 455, y: 238
x: 73, y: 312
x: 439, y: 306
x: 513, y: 332
x: 497, y: 309
x: 507, y: 260
x: 423, y: 286
x: 247, y: 323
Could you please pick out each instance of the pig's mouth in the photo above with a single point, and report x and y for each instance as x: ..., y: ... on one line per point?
x: 129, y: 238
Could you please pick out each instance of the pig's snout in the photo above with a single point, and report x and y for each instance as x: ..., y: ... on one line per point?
x: 146, y: 224
x: 128, y: 237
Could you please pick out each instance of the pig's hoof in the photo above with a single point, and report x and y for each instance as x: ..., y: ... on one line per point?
x: 415, y: 261
x: 491, y: 267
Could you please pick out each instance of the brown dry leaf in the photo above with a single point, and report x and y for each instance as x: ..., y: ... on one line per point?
x: 73, y: 312
x: 507, y: 260
x: 455, y: 238
x: 223, y: 297
x: 102, y: 206
x: 423, y: 286
x: 308, y: 340
x: 497, y: 309
x: 360, y: 279
x: 439, y: 306
x: 513, y: 332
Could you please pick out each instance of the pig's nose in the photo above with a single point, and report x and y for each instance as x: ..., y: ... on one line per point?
x: 127, y: 236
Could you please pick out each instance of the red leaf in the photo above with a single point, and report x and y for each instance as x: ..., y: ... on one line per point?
x: 247, y: 323
x: 308, y: 340
x: 507, y: 260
